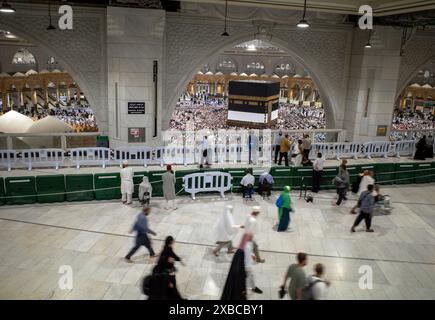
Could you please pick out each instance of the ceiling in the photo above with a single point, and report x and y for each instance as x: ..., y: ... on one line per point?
x: 380, y: 7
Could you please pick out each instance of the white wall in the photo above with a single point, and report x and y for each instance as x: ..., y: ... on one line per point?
x: 134, y: 41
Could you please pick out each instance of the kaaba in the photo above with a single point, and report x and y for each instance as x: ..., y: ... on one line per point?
x: 253, y: 103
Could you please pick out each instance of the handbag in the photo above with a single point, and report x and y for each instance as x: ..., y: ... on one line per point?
x: 282, y: 292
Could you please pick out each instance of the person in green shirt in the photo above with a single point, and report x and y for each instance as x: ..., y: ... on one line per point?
x: 284, y: 210
x: 298, y: 277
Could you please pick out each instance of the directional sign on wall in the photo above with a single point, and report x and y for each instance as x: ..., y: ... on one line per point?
x: 136, y: 107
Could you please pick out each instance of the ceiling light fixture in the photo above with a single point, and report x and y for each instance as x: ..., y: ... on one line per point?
x: 50, y: 26
x: 225, y: 33
x: 6, y: 8
x: 369, y: 44
x: 303, y: 23
x: 251, y: 47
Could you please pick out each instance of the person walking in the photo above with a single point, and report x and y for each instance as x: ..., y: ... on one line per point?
x: 297, y: 275
x: 317, y: 286
x: 127, y: 187
x: 226, y: 229
x: 164, y: 283
x: 284, y: 148
x: 366, y: 205
x: 251, y: 226
x: 141, y: 227
x: 278, y: 138
x: 240, y: 276
x: 284, y: 209
x: 366, y: 180
x: 169, y: 188
x: 342, y: 183
x: 317, y: 172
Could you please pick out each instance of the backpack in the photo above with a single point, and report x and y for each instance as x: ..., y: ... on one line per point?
x: 279, y: 201
x: 307, y: 291
x: 146, y: 285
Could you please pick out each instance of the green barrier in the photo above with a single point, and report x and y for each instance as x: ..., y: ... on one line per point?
x: 50, y: 188
x: 423, y: 172
x: 329, y: 173
x: 237, y: 175
x: 155, y: 178
x: 179, y: 174
x: 107, y: 186
x: 385, y: 173
x: 79, y: 182
x: 282, y: 176
x: 302, y: 176
x: 2, y: 192
x: 137, y: 179
x: 20, y: 190
x: 404, y: 173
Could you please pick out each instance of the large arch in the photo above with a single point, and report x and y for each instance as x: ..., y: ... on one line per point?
x: 306, y: 49
x: 82, y: 53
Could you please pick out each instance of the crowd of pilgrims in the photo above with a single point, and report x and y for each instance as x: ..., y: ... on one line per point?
x: 202, y: 112
x: 78, y: 115
x: 410, y: 121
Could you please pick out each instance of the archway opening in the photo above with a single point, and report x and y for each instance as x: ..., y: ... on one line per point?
x: 414, y: 110
x: 34, y: 83
x: 203, y: 104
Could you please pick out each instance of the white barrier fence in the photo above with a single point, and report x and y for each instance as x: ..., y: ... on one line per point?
x: 190, y: 155
x: 405, y: 148
x: 90, y: 156
x: 43, y: 157
x: 206, y: 182
x: 8, y: 158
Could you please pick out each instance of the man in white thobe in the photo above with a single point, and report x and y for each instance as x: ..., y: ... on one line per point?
x: 127, y: 186
x: 225, y: 231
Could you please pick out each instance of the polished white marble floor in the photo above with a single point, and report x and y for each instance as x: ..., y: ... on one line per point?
x: 92, y: 238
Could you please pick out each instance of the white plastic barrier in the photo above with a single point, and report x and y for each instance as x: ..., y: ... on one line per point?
x: 206, y: 182
x: 233, y: 153
x: 324, y: 148
x: 154, y: 156
x: 43, y: 158
x: 347, y: 149
x: 134, y: 155
x: 90, y: 156
x: 402, y: 148
x: 190, y: 155
x: 221, y: 153
x: 174, y: 155
x: 381, y: 148
x: 8, y: 158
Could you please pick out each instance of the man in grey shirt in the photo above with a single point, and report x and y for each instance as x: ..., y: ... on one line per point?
x: 366, y: 205
x: 298, y: 277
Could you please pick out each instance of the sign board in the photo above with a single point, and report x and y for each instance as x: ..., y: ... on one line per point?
x: 136, y: 107
x: 136, y: 135
x: 382, y: 131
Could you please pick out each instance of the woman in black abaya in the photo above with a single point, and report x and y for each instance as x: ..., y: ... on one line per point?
x: 420, y: 152
x: 163, y: 283
x: 235, y: 286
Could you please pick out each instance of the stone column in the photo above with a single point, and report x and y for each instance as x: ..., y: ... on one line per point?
x: 34, y: 97
x: 68, y: 95
x: 372, y: 83
x: 21, y: 94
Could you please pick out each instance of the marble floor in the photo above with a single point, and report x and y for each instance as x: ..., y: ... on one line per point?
x: 92, y: 238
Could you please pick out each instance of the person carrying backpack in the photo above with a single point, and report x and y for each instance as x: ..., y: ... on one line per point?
x: 316, y: 287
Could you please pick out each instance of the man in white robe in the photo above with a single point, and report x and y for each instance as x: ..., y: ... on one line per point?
x: 225, y: 231
x: 127, y: 186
